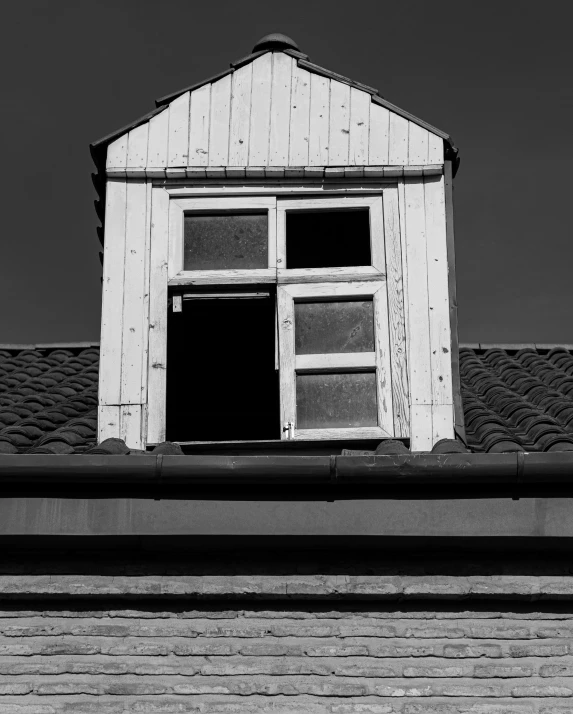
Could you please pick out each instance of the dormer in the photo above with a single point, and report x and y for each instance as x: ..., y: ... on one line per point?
x: 278, y: 265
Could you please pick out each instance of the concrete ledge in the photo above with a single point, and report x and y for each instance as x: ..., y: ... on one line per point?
x: 284, y: 587
x: 486, y: 518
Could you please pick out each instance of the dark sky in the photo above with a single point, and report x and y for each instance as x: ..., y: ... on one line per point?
x: 495, y: 75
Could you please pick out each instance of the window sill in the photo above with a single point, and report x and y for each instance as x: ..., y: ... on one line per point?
x: 276, y: 447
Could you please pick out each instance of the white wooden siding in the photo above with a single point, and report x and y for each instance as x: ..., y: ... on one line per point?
x: 379, y: 135
x: 125, y: 312
x: 271, y: 112
x: 241, y: 100
x: 137, y: 147
x: 134, y: 290
x: 133, y: 352
x: 178, y: 141
x: 398, y: 140
x: 424, y: 253
x: 219, y: 122
x: 396, y: 318
x: 158, y: 136
x: 359, y: 127
x: 299, y: 118
x: 199, y: 124
x: 338, y: 143
x: 112, y: 294
x: 157, y: 361
x: 260, y: 111
x: 319, y: 120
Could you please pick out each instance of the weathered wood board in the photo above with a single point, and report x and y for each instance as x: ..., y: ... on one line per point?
x: 271, y: 112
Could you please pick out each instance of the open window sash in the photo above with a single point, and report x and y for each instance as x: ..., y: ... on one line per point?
x: 376, y: 266
x: 331, y: 394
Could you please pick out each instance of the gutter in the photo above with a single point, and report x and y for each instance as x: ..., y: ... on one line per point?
x: 327, y: 478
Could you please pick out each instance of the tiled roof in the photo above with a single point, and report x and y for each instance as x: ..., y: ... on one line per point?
x: 515, y: 398
x: 48, y: 400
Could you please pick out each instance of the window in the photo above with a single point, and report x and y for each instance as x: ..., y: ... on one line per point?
x: 279, y: 325
x: 222, y: 241
x: 333, y: 348
x: 322, y: 238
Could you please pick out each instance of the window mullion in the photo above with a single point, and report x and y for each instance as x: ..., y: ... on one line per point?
x: 346, y: 361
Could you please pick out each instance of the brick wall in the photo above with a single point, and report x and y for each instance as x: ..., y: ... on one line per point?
x: 300, y: 657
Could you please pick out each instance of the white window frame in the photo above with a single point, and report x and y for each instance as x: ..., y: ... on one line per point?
x: 377, y: 267
x: 290, y: 364
x: 177, y: 210
x: 168, y: 204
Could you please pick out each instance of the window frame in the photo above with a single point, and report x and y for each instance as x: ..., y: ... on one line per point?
x: 179, y: 207
x: 377, y: 266
x: 168, y: 200
x: 378, y: 361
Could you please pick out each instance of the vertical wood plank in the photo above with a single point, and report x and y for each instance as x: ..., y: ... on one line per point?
x: 418, y: 330
x: 359, y: 127
x: 158, y: 137
x: 157, y: 361
x: 435, y: 149
x: 319, y: 117
x: 405, y: 283
x: 219, y: 123
x: 137, y: 147
x: 240, y: 116
x: 108, y: 421
x: 260, y: 111
x: 442, y: 422
x: 178, y: 142
x: 285, y: 306
x: 396, y: 313
x: 199, y: 115
x: 438, y: 299
x: 112, y: 294
x: 299, y: 118
x: 379, y: 135
x: 146, y: 293
x: 117, y: 153
x: 421, y: 428
x: 458, y: 405
x: 384, y: 372
x: 280, y: 109
x: 398, y: 141
x: 130, y: 416
x: 417, y: 145
x: 134, y: 288
x: 339, y: 124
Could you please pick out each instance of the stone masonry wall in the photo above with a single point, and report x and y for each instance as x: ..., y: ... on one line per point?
x: 296, y: 657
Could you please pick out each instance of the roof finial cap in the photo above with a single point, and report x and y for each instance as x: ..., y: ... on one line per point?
x: 275, y: 41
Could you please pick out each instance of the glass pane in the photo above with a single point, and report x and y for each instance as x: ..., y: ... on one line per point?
x: 327, y: 239
x: 336, y: 401
x: 225, y: 241
x: 326, y: 327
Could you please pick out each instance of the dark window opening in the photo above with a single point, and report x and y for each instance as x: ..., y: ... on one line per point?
x: 225, y: 241
x: 328, y: 239
x: 222, y: 384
